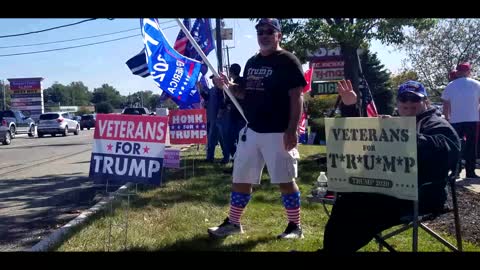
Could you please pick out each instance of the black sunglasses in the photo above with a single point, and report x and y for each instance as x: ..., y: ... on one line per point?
x: 409, y: 98
x: 267, y: 32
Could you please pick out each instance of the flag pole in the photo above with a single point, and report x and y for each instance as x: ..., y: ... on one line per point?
x: 212, y: 69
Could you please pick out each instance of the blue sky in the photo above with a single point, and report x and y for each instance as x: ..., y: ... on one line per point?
x: 105, y: 63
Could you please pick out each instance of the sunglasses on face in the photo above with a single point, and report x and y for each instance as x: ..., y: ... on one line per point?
x: 409, y: 98
x: 266, y: 32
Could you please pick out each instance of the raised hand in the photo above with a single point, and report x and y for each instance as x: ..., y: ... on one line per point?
x: 345, y: 90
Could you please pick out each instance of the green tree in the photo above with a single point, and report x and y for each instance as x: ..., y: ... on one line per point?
x: 109, y: 94
x: 56, y: 95
x: 306, y: 35
x: 433, y: 54
x: 103, y: 107
x: 78, y: 94
x: 5, y: 87
x: 153, y: 101
x: 405, y: 75
x: 378, y: 81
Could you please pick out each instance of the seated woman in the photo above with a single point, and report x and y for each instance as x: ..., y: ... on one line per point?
x: 357, y: 217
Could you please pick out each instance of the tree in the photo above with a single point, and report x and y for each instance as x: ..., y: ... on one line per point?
x: 378, y: 80
x: 108, y: 94
x: 103, y: 107
x: 403, y: 76
x: 434, y: 54
x: 55, y: 94
x: 306, y: 35
x: 78, y: 94
x: 5, y: 87
x: 153, y: 101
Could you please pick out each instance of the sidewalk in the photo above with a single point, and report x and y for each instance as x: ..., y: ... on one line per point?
x: 472, y: 184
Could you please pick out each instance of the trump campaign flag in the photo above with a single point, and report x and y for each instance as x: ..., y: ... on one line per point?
x: 172, y: 72
x: 202, y: 33
x: 128, y: 148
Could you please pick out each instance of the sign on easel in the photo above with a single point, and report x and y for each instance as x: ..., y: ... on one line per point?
x: 188, y: 126
x: 128, y: 148
x: 172, y: 158
x: 373, y: 155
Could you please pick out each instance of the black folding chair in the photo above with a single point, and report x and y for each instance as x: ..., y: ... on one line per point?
x: 415, y: 221
x: 419, y: 221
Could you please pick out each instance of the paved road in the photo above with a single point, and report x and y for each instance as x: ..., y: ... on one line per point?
x: 43, y: 184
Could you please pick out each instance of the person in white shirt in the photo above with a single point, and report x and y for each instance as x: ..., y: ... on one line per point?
x: 461, y: 100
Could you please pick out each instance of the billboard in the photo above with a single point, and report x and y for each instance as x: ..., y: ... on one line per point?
x: 27, y: 96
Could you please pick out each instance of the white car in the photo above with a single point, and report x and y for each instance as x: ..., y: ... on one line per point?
x: 57, y: 123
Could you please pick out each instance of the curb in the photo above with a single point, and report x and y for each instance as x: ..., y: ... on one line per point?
x: 58, y: 235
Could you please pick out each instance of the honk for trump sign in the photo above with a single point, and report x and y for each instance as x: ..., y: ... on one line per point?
x: 128, y: 148
x: 188, y: 126
x: 373, y: 155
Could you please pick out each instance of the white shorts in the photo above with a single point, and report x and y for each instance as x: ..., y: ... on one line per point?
x: 261, y: 148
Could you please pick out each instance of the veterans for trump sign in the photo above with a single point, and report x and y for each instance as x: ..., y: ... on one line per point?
x: 373, y: 155
x: 188, y: 126
x: 128, y: 148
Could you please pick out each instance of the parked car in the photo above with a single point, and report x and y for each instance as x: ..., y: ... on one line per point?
x: 87, y: 121
x: 18, y: 123
x: 57, y: 123
x: 5, y: 136
x: 137, y: 111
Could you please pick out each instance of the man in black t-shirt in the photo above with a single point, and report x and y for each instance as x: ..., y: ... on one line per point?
x: 272, y: 101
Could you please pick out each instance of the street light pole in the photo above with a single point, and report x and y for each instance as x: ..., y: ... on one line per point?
x: 4, y: 99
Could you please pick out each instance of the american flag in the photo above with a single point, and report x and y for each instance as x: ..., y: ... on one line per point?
x: 301, y: 126
x: 368, y: 99
x: 182, y: 41
x: 308, y: 78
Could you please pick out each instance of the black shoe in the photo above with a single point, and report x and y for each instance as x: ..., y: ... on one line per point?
x: 228, y: 171
x: 293, y: 231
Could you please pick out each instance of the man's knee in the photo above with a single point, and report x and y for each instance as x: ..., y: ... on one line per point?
x: 288, y: 188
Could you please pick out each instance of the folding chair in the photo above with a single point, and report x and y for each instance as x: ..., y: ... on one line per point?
x: 414, y: 221
x: 418, y: 221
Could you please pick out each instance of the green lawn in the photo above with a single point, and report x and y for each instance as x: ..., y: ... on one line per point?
x: 177, y: 215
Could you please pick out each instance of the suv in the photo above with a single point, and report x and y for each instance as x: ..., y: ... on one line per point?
x: 18, y: 123
x: 87, y: 121
x: 137, y: 111
x: 57, y: 123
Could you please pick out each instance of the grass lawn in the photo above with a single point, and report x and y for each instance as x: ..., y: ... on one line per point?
x: 177, y: 215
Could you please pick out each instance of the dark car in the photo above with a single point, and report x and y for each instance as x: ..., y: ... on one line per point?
x: 137, y: 111
x: 87, y: 121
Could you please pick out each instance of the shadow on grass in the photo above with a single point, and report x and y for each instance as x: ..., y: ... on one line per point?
x: 213, y: 186
x: 207, y: 243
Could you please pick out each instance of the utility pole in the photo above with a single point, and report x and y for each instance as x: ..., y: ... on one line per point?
x: 218, y: 34
x: 4, y: 99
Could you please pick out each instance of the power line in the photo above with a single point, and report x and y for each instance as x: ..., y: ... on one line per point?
x: 68, y: 40
x: 73, y: 47
x: 48, y: 29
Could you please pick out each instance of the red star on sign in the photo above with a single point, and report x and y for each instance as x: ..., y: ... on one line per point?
x: 109, y: 147
x: 146, y: 149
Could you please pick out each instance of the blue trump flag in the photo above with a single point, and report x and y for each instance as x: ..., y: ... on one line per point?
x: 171, y: 71
x: 202, y: 33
